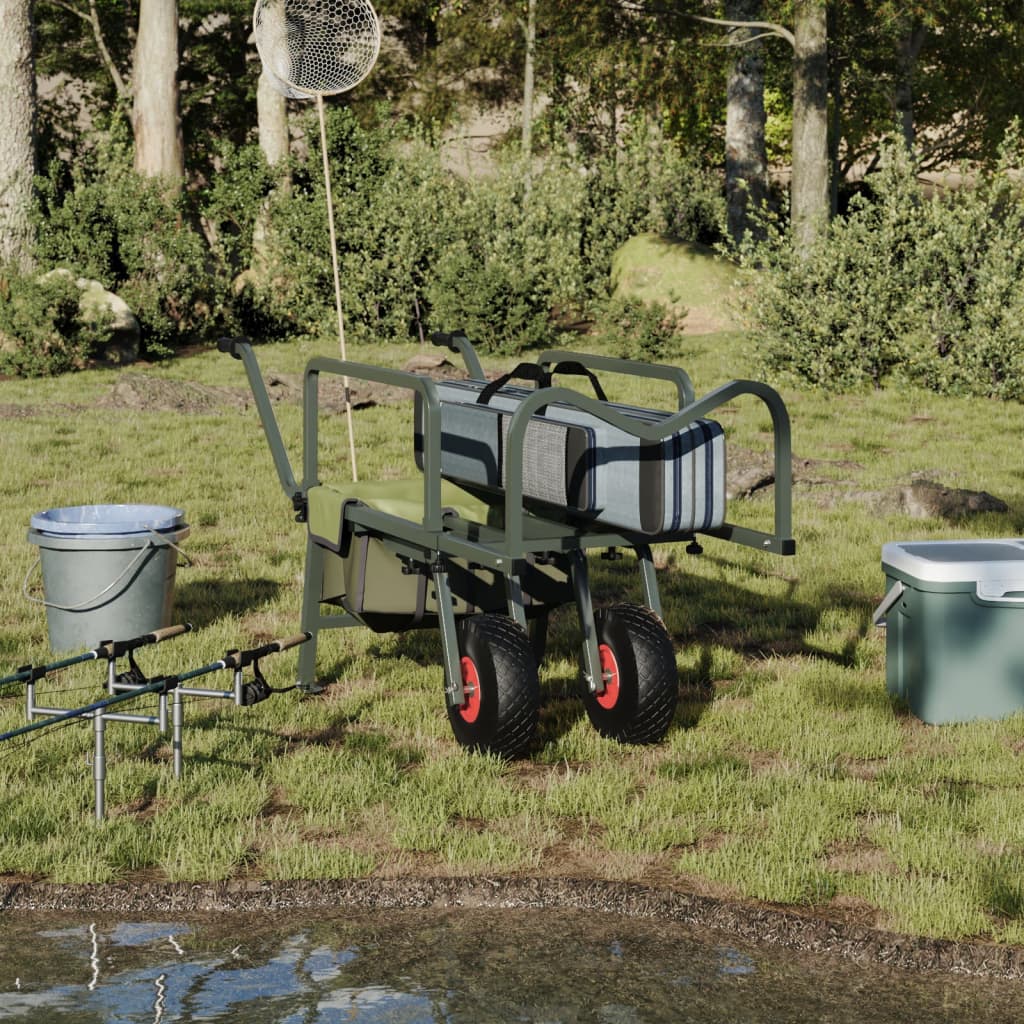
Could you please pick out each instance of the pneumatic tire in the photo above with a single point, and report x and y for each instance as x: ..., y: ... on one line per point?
x: 641, y: 681
x: 500, y: 687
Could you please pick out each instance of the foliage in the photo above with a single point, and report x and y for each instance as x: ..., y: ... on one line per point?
x: 41, y: 330
x: 931, y: 53
x: 103, y: 221
x: 421, y: 249
x: 907, y: 287
x: 633, y: 329
x: 393, y: 204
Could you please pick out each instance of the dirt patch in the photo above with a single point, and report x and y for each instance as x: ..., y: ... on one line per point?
x: 145, y: 392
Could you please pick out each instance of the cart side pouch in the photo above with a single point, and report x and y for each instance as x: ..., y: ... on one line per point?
x: 578, y: 463
x: 558, y: 459
x: 370, y: 581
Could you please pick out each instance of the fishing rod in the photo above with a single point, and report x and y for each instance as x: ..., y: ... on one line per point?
x: 109, y: 649
x: 163, y: 684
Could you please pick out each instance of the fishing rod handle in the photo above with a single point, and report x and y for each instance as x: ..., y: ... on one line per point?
x: 242, y: 659
x: 115, y: 648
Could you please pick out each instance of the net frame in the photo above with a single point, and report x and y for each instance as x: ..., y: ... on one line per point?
x: 317, y: 47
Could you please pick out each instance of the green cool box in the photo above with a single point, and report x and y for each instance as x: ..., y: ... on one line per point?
x: 954, y: 616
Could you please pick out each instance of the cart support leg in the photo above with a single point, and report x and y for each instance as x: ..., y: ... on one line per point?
x: 591, y: 654
x: 516, y: 606
x: 650, y: 580
x: 311, y: 591
x: 453, y: 690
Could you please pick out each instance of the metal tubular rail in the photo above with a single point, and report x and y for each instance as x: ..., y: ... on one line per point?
x: 780, y: 541
x: 630, y: 367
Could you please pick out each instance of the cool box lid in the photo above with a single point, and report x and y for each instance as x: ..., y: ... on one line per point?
x: 956, y: 561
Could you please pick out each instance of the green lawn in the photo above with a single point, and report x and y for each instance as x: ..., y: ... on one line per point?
x: 788, y: 776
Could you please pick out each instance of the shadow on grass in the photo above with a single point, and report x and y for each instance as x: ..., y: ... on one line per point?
x: 203, y: 602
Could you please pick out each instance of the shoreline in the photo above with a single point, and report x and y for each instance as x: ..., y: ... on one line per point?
x: 759, y: 924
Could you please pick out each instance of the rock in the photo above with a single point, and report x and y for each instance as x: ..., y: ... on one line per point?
x: 696, y: 281
x: 924, y: 499
x: 103, y: 308
x: 747, y: 472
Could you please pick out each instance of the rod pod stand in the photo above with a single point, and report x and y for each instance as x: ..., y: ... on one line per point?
x: 235, y: 660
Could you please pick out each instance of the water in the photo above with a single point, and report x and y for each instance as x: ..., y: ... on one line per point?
x: 458, y: 966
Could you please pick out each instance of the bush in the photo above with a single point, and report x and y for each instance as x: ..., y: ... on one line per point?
x: 104, y: 222
x: 41, y: 331
x: 392, y: 201
x: 906, y: 288
x: 419, y: 248
x: 423, y: 250
x: 630, y: 328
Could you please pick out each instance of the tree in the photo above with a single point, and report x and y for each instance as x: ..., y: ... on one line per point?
x: 156, y: 120
x: 746, y: 161
x: 17, y: 132
x: 809, y: 190
x: 914, y: 68
x: 809, y: 194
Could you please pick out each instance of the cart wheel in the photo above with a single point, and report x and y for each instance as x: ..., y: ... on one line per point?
x: 641, y: 681
x: 502, y: 694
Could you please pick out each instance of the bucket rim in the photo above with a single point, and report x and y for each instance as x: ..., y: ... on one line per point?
x: 107, y: 520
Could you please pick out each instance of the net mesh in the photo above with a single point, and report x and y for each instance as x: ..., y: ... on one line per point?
x: 317, y: 46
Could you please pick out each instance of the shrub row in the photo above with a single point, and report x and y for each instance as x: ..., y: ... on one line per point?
x: 912, y: 285
x: 420, y: 248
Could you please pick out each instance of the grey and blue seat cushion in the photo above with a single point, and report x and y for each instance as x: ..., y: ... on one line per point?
x: 585, y: 468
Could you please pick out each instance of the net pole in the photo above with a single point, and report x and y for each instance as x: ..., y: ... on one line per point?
x: 337, y: 280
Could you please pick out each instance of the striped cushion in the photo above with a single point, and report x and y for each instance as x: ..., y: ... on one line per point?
x: 586, y: 469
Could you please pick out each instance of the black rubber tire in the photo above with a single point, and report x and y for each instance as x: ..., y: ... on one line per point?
x: 641, y: 708
x: 506, y: 706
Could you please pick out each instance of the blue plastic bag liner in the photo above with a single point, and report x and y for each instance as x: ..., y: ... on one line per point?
x: 107, y: 520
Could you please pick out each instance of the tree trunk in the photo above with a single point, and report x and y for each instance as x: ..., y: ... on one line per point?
x: 272, y: 121
x: 746, y: 160
x: 17, y: 132
x: 903, y: 98
x: 809, y: 194
x: 156, y: 120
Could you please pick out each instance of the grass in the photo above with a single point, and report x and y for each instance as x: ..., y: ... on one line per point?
x: 788, y: 777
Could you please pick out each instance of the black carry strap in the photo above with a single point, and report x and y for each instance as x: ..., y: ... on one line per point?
x: 581, y: 371
x: 524, y: 371
x: 541, y: 377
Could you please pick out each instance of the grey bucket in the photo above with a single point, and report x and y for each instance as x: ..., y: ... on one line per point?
x: 108, y: 570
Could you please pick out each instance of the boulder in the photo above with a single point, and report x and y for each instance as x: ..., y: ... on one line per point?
x: 99, y: 306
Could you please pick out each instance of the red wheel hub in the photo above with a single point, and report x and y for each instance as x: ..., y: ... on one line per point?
x: 610, y: 673
x: 470, y: 710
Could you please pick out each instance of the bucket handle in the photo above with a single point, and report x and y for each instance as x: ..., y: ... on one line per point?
x: 89, y: 602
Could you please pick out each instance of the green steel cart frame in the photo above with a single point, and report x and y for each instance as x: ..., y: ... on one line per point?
x: 522, y: 563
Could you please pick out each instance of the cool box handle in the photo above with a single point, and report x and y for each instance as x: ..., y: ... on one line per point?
x: 890, y: 599
x: 998, y: 591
